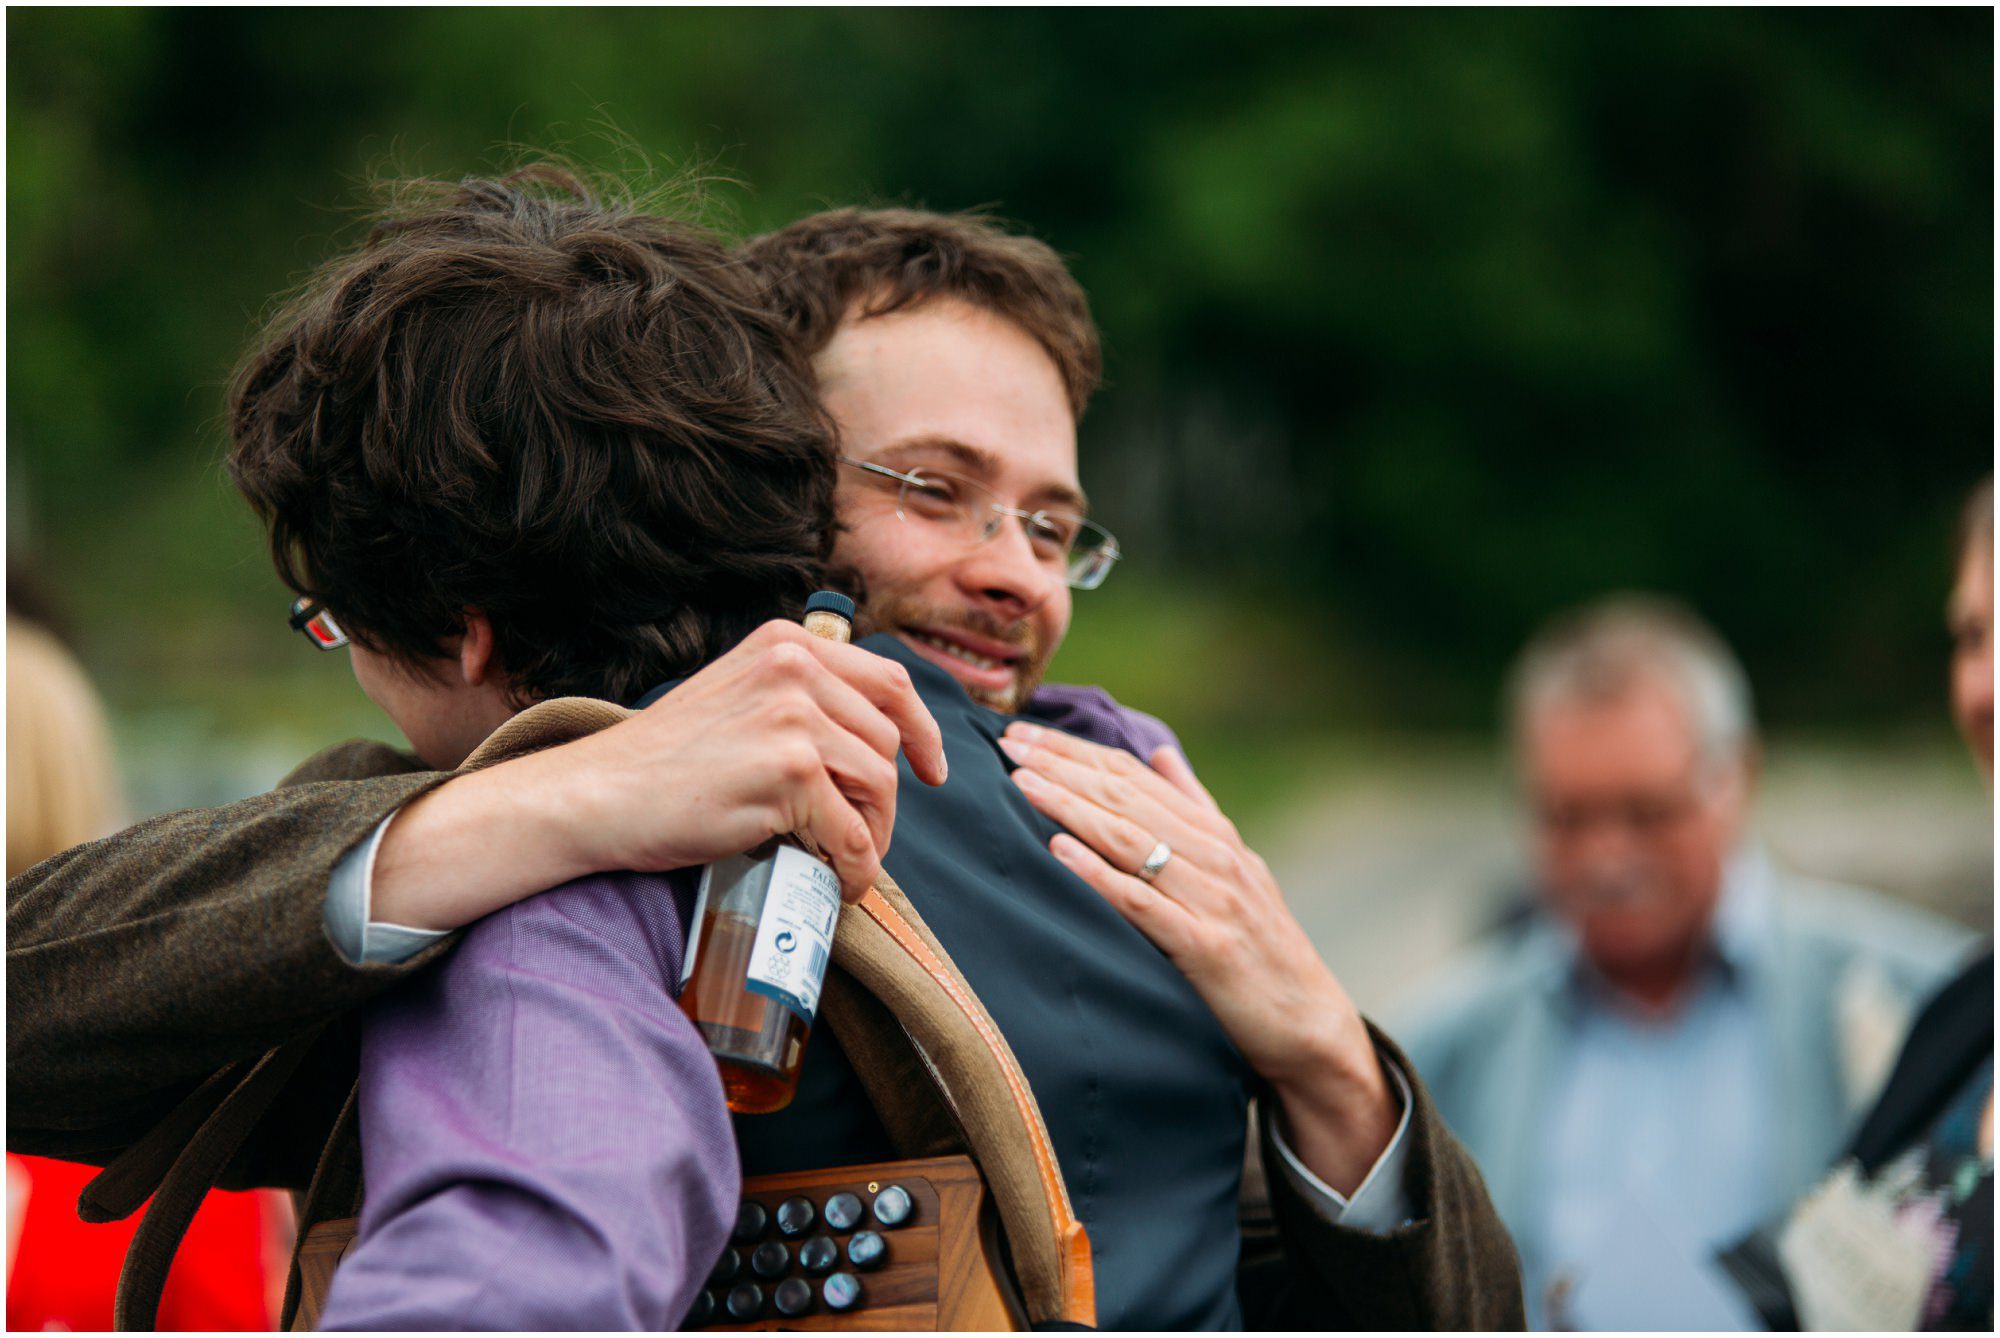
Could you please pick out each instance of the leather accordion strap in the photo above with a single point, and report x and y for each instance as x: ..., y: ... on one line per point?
x: 891, y: 954
x: 128, y: 1180
x: 336, y: 1177
x: 178, y: 1190
x: 889, y: 951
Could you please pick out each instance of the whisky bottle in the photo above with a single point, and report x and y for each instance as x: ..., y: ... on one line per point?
x: 762, y: 936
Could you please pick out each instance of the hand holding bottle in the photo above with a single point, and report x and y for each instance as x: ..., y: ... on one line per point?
x: 788, y: 732
x: 760, y: 942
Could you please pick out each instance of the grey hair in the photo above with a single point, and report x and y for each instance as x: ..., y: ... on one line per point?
x: 1598, y: 652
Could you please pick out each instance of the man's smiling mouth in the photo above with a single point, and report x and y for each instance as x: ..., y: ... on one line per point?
x: 974, y: 661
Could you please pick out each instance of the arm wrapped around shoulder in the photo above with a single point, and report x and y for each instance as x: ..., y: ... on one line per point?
x: 544, y: 1136
x: 140, y: 964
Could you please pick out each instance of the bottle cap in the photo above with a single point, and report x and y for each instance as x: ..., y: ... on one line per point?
x: 831, y: 601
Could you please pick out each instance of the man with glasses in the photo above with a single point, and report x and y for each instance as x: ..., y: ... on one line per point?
x: 1677, y: 1043
x: 955, y: 361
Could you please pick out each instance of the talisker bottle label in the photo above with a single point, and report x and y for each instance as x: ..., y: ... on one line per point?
x: 795, y: 933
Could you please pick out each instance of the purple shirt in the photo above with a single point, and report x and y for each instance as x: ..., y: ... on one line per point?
x: 1092, y: 713
x: 544, y: 1138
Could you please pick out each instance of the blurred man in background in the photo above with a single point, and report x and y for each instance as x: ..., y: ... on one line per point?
x: 1681, y: 1038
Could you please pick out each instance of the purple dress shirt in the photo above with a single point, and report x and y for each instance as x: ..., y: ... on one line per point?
x: 1094, y: 714
x: 544, y: 1138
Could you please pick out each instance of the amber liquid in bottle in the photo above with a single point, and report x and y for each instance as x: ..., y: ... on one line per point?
x: 758, y: 1042
x: 762, y: 937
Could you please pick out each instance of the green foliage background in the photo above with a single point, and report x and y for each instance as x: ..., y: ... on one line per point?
x: 1421, y: 323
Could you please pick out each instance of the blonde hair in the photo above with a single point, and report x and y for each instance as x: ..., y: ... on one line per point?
x: 62, y: 781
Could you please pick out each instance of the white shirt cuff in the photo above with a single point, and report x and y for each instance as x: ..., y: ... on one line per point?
x: 1382, y: 1203
x: 349, y: 893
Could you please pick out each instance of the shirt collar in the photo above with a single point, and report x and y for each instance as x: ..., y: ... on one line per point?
x: 1740, y: 930
x: 1743, y: 915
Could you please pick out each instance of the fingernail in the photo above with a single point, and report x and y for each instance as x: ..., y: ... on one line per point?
x: 1025, y: 732
x: 1015, y: 748
x: 1065, y: 847
x: 1027, y: 780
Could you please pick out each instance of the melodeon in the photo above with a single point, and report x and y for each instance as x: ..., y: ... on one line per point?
x: 907, y: 1246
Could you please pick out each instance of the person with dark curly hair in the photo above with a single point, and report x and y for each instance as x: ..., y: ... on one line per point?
x: 525, y: 442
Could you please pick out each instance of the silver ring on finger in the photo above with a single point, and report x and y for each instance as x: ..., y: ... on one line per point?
x: 1156, y: 861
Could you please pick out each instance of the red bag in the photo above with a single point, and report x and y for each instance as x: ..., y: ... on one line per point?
x: 63, y: 1272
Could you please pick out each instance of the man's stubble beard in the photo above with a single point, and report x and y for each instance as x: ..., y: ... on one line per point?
x: 891, y: 613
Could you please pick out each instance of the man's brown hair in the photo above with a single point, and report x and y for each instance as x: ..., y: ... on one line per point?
x: 817, y: 269
x: 570, y: 415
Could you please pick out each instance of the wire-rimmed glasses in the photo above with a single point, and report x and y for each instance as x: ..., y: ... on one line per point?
x: 1086, y: 550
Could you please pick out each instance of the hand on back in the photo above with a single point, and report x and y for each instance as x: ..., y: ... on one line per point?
x: 786, y: 733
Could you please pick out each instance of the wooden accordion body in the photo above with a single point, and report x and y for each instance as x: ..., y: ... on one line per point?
x: 942, y: 1268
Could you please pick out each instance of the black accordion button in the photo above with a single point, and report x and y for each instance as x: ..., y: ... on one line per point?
x: 867, y: 1250
x: 842, y: 1291
x: 726, y: 1269
x: 843, y: 1212
x: 746, y: 1301
x: 819, y: 1255
x: 893, y: 1206
x: 796, y: 1216
x: 702, y: 1311
x: 751, y: 1223
x: 771, y: 1259
x: 794, y: 1298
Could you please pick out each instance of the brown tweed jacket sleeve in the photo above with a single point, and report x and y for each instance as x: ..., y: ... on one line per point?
x: 139, y: 965
x: 1453, y: 1267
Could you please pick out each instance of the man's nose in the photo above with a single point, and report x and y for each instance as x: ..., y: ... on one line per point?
x: 1605, y: 847
x: 1005, y: 573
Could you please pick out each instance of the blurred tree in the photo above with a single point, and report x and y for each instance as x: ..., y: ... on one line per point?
x: 1422, y: 323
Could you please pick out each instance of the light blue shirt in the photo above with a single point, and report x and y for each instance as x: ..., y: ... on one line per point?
x: 1654, y: 1152
x: 1381, y: 1202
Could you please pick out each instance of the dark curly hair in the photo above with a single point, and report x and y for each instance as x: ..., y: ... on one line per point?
x: 573, y: 416
x: 817, y: 269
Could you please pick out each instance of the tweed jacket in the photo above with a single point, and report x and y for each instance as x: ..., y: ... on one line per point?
x: 112, y: 1033
x: 140, y: 965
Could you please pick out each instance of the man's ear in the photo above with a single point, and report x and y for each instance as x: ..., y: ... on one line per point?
x: 475, y: 650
